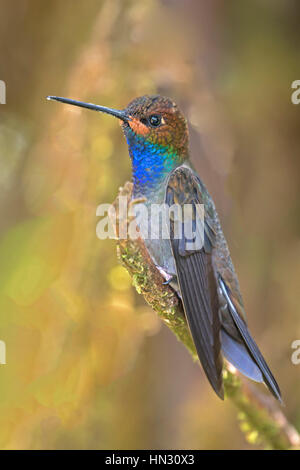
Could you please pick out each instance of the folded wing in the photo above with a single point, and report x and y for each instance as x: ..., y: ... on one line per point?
x: 195, y: 273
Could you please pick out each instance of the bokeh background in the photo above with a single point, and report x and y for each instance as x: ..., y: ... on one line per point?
x: 89, y: 365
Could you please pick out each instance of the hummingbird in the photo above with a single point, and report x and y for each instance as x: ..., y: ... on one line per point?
x: 203, y: 278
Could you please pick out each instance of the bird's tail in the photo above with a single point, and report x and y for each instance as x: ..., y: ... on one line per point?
x: 246, y: 356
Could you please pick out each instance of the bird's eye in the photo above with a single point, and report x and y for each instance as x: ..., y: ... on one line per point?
x: 155, y: 120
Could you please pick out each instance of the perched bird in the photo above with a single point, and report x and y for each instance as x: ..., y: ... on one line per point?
x: 203, y: 277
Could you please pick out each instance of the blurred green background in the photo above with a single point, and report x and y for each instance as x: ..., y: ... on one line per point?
x: 88, y: 363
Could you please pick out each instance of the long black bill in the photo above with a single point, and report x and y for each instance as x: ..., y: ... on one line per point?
x: 103, y: 109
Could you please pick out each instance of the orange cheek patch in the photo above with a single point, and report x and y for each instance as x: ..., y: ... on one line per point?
x: 138, y: 127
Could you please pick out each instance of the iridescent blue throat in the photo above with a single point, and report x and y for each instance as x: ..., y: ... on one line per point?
x: 151, y: 163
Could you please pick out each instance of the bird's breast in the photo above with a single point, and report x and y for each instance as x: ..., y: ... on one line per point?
x: 152, y: 221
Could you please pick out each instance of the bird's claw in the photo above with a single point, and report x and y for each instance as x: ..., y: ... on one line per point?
x: 168, y: 281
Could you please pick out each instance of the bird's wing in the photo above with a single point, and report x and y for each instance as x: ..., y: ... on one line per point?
x: 238, y: 346
x: 195, y: 273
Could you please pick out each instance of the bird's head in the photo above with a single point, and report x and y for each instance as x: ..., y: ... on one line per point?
x: 154, y: 119
x: 157, y: 120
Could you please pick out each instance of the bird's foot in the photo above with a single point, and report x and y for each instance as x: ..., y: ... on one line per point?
x: 138, y: 200
x: 132, y: 204
x: 168, y: 277
x: 168, y: 281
